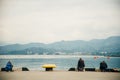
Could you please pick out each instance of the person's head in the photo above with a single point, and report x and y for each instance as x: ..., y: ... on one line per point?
x: 9, y: 61
x: 80, y: 59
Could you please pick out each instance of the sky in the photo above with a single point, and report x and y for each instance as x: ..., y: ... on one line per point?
x: 47, y: 21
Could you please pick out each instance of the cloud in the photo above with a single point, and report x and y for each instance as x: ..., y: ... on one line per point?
x: 48, y: 21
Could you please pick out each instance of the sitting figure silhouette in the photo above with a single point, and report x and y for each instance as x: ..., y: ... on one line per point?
x: 9, y: 66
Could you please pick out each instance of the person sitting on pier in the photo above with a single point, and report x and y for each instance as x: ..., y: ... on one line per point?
x: 80, y: 65
x: 103, y: 66
x: 9, y: 66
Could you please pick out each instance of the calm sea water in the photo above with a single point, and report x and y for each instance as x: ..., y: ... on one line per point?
x: 63, y: 62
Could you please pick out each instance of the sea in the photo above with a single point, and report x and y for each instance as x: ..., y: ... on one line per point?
x: 63, y: 62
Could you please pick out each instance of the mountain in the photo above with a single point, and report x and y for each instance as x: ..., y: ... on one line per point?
x: 111, y: 46
x: 72, y: 46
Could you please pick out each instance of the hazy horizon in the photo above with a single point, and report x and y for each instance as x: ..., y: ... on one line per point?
x: 26, y: 21
x: 3, y: 44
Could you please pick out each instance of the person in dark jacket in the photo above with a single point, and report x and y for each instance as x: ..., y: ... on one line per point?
x: 9, y: 66
x: 103, y: 66
x: 80, y: 65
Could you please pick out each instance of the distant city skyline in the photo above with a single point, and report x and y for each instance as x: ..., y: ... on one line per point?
x: 47, y: 21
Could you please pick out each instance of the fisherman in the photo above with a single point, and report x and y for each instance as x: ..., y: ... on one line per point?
x: 103, y: 66
x: 81, y: 65
x: 9, y: 66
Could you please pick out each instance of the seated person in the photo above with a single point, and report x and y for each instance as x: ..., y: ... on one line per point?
x: 9, y: 66
x: 103, y: 66
x: 80, y: 65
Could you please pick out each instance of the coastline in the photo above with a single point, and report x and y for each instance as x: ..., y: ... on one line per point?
x: 68, y: 61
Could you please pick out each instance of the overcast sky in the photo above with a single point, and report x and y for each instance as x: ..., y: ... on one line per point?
x: 47, y: 21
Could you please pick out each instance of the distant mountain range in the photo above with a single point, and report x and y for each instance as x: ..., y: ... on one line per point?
x: 109, y: 46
